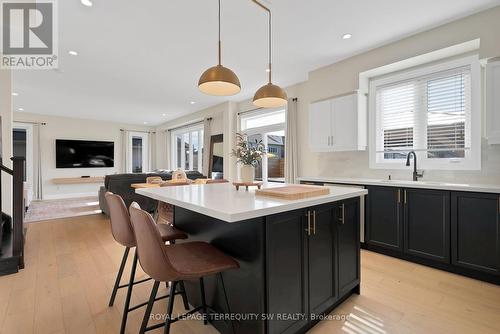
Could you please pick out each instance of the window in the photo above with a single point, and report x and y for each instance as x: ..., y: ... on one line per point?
x: 269, y: 127
x: 187, y: 148
x: 434, y: 111
x: 138, y: 152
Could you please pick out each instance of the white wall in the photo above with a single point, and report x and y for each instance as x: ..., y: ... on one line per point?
x: 6, y: 133
x: 73, y: 128
x: 342, y: 77
x: 222, y: 116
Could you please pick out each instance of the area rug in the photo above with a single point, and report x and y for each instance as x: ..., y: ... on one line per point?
x: 63, y: 208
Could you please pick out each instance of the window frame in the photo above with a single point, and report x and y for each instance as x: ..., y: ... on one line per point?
x: 473, y: 156
x: 181, y: 132
x: 263, y: 131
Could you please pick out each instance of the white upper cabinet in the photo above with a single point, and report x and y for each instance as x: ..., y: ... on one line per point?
x: 493, y: 102
x: 320, y: 130
x: 338, y: 124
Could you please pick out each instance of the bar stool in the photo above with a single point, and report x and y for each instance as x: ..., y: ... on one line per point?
x: 175, y: 263
x: 121, y: 228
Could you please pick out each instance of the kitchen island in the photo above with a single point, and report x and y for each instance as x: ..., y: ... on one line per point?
x: 298, y: 259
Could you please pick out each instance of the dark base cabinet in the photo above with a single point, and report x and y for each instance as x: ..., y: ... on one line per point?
x: 475, y: 231
x: 427, y: 224
x: 294, y: 266
x: 454, y: 231
x: 384, y: 226
x: 287, y: 285
x: 348, y: 246
x: 313, y: 263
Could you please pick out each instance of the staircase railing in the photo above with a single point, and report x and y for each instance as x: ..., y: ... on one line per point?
x: 17, y: 173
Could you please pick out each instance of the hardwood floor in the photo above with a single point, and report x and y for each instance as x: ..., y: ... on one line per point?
x: 71, y: 265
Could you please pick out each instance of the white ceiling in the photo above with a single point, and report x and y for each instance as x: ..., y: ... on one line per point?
x: 141, y: 60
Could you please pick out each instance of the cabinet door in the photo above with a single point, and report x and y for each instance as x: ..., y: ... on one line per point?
x: 286, y: 276
x: 475, y: 231
x: 345, y: 123
x: 320, y: 126
x: 347, y: 216
x: 322, y: 259
x: 427, y: 224
x: 384, y: 226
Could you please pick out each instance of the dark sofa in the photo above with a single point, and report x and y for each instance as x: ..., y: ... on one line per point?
x: 120, y: 184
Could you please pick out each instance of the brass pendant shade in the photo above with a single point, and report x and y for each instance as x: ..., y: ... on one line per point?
x: 270, y: 96
x: 219, y: 81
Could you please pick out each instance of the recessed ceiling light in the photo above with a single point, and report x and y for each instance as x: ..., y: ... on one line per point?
x: 145, y: 122
x: 14, y: 94
x: 347, y: 36
x: 20, y: 109
x: 164, y: 115
x: 192, y: 102
x: 73, y: 53
x: 87, y: 3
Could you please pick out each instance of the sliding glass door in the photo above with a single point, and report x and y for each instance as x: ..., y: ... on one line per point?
x: 268, y: 127
x: 187, y: 148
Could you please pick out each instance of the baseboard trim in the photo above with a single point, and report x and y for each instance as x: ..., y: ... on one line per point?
x: 71, y: 195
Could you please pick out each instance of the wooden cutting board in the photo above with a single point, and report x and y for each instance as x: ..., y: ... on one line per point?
x: 294, y: 192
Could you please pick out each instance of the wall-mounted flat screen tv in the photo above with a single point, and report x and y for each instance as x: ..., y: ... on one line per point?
x: 84, y: 153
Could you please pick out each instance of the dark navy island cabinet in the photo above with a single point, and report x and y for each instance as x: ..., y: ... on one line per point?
x: 313, y: 259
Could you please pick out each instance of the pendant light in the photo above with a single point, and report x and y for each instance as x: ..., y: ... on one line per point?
x: 219, y: 80
x: 269, y: 95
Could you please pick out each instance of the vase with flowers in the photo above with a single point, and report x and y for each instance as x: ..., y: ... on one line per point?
x: 248, y: 154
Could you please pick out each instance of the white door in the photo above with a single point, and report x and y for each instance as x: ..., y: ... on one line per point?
x: 320, y: 126
x: 138, y: 152
x: 344, y: 123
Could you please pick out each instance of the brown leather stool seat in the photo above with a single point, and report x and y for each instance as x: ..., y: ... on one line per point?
x: 170, y: 233
x: 175, y: 263
x: 197, y: 259
x: 123, y: 233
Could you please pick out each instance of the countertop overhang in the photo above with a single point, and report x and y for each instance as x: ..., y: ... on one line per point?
x: 482, y: 188
x: 224, y: 202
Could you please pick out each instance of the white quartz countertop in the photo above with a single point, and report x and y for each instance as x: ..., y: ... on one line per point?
x: 224, y: 202
x: 484, y: 188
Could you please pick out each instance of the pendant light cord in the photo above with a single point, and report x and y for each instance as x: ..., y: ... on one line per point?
x: 270, y: 35
x: 270, y: 46
x: 220, y: 60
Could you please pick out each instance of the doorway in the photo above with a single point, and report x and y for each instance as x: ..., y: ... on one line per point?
x: 22, y: 146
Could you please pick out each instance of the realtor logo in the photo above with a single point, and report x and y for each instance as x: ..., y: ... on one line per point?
x: 29, y: 35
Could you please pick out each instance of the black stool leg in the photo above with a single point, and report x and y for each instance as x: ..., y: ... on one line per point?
x: 129, y: 294
x: 184, y: 296
x: 203, y: 301
x: 119, y: 277
x: 227, y: 301
x: 149, y: 307
x: 170, y: 308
